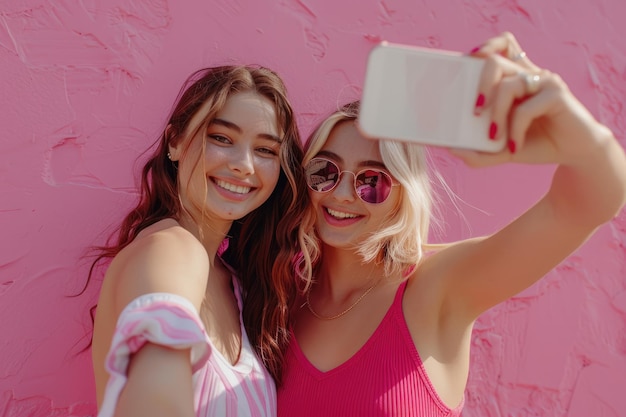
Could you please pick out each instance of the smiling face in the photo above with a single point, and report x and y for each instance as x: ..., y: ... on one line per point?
x: 343, y: 220
x: 240, y: 167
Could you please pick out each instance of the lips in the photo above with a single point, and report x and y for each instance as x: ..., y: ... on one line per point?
x: 237, y: 189
x: 340, y: 215
x: 337, y: 218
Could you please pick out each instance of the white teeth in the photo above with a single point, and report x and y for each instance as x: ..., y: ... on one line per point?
x: 340, y: 214
x: 239, y: 189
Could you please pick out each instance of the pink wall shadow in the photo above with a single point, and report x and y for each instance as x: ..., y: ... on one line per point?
x: 86, y: 86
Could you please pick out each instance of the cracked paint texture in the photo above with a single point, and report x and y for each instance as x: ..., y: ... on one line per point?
x: 86, y: 86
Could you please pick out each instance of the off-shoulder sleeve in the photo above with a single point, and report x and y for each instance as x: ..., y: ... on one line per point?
x: 160, y: 318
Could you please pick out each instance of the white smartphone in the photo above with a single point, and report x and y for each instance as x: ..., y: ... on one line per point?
x: 426, y: 96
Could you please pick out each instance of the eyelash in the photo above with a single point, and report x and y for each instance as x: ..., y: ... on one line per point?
x: 269, y: 151
x: 224, y: 140
x: 220, y: 138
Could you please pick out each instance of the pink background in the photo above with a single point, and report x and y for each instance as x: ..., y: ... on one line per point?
x: 86, y: 85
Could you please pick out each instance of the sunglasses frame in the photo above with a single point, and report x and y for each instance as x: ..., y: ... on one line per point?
x: 354, y: 176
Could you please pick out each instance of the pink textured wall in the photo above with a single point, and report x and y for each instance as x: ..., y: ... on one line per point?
x: 86, y: 84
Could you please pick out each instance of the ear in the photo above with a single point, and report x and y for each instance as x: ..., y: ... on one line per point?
x: 173, y: 145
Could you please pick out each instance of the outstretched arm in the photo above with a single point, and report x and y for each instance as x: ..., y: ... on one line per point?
x: 153, y: 293
x: 545, y: 124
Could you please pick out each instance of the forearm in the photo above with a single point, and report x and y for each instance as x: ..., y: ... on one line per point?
x: 162, y: 390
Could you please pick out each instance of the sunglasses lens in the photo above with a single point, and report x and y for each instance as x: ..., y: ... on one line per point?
x: 373, y: 186
x: 322, y: 175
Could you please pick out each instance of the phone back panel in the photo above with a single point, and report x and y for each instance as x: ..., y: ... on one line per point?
x: 426, y: 96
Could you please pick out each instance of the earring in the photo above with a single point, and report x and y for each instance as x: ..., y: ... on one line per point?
x: 169, y: 156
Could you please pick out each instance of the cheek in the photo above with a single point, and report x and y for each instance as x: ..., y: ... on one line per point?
x: 190, y: 169
x: 389, y: 209
x: 393, y: 203
x: 194, y: 182
x: 269, y: 170
x: 215, y: 154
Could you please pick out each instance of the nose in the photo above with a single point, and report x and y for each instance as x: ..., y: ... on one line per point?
x: 344, y: 191
x: 242, y: 161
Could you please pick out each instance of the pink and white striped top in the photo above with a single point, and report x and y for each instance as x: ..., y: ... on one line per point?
x: 220, y: 389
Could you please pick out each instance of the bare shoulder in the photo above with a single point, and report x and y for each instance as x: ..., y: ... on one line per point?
x: 439, y: 327
x: 164, y: 257
x: 428, y: 284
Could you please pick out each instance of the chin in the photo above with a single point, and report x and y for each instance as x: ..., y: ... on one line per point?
x: 339, y: 242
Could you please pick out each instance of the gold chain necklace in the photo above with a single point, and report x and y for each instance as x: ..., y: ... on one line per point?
x: 336, y: 316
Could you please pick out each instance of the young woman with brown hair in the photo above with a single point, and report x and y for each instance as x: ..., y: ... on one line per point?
x: 169, y: 335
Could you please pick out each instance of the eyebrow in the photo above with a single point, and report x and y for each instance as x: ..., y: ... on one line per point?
x: 366, y: 163
x: 233, y: 126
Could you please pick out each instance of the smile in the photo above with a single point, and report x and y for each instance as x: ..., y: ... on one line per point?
x: 238, y: 189
x: 340, y: 214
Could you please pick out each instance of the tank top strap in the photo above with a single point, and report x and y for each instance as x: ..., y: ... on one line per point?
x: 397, y: 300
x: 396, y: 306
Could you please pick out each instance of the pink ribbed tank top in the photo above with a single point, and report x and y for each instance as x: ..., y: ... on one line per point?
x: 385, y: 377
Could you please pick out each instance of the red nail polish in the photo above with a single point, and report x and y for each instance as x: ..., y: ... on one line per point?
x: 480, y: 101
x: 493, y: 129
x: 474, y: 50
x: 511, y: 145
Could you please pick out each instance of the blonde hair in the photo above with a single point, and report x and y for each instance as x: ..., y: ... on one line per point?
x: 401, y: 240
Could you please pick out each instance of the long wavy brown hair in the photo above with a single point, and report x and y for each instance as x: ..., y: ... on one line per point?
x: 263, y: 244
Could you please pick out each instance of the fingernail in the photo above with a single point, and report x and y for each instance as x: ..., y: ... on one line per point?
x: 511, y: 145
x: 474, y: 50
x: 480, y: 101
x: 493, y: 129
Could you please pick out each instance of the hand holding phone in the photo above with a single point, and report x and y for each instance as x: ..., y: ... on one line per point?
x: 426, y: 96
